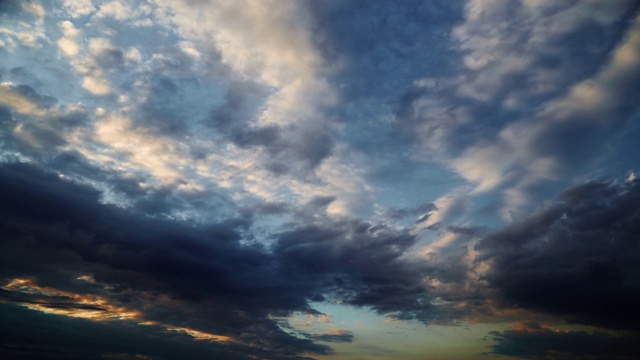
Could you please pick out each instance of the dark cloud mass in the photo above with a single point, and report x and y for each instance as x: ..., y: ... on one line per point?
x: 536, y: 342
x: 577, y: 258
x: 358, y: 263
x: 55, y: 230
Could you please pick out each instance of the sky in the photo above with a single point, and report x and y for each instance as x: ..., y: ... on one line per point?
x: 319, y: 179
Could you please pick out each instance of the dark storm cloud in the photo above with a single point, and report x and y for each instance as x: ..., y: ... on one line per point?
x: 291, y: 148
x: 578, y: 259
x: 535, y: 342
x: 288, y: 149
x: 6, y: 119
x: 53, y: 229
x: 27, y: 335
x: 237, y: 108
x: 357, y: 263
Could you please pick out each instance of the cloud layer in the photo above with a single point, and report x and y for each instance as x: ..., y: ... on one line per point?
x: 260, y: 179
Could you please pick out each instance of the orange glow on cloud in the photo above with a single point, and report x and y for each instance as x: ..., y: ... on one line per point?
x: 201, y: 335
x: 97, y: 308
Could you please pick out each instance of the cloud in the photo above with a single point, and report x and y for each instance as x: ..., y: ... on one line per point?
x: 335, y: 336
x: 197, y: 277
x: 423, y: 212
x: 576, y: 258
x: 260, y: 45
x: 36, y: 122
x: 55, y: 229
x: 357, y: 263
x: 535, y: 342
x: 77, y: 8
x: 29, y: 334
x: 499, y: 51
x: 200, y: 172
x: 565, y: 134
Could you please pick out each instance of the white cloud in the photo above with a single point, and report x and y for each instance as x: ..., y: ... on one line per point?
x: 188, y: 48
x: 32, y: 38
x: 119, y: 10
x: 98, y: 45
x: 452, y: 206
x: 35, y: 8
x: 133, y: 54
x: 68, y: 43
x: 77, y: 8
x: 266, y: 41
x: 96, y: 85
x: 126, y: 149
x: 84, y: 60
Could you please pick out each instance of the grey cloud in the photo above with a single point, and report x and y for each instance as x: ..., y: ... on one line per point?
x: 468, y: 230
x: 357, y: 263
x: 424, y: 210
x: 32, y: 95
x: 577, y: 259
x: 8, y: 7
x: 40, y: 138
x: 346, y: 336
x: 313, y: 146
x: 410, y: 44
x: 321, y: 201
x: 110, y: 59
x: 499, y: 63
x: 538, y: 62
x: 297, y: 148
x: 535, y: 342
x: 379, y: 65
